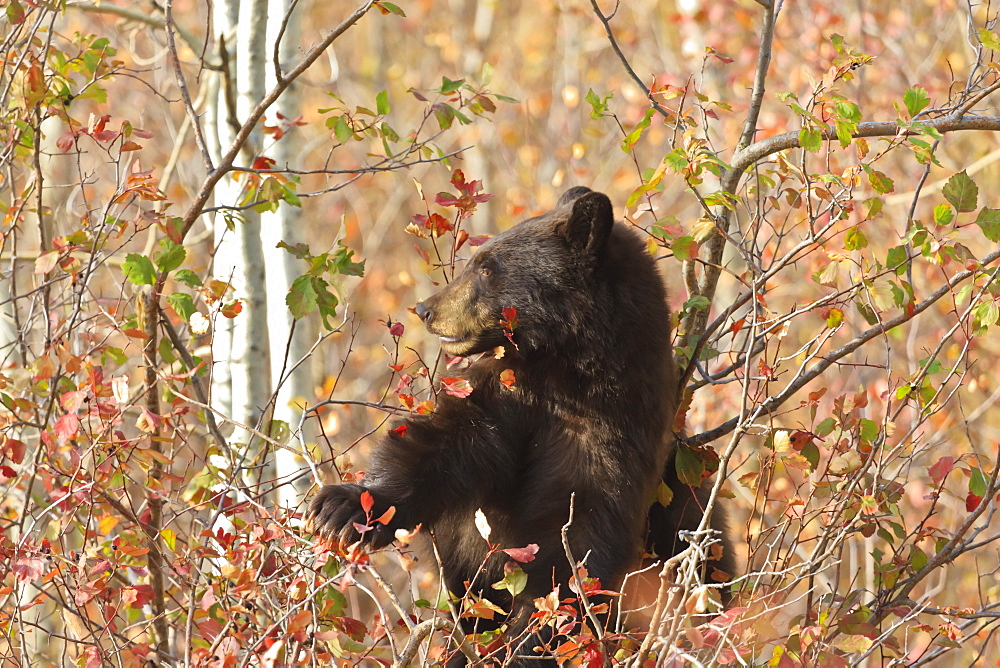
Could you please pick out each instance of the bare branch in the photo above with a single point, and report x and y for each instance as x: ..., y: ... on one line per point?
x: 175, y: 64
x: 424, y: 629
x: 760, y: 75
x: 606, y: 21
x: 743, y: 159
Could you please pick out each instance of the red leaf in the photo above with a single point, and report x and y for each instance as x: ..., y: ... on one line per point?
x: 367, y: 501
x: 131, y: 146
x: 65, y: 142
x: 66, y: 427
x: 522, y: 554
x: 478, y: 241
x: 508, y: 379
x: 208, y: 600
x: 457, y: 387
x: 93, y: 658
x: 399, y: 431
x: 940, y: 469
x: 27, y: 569
x: 438, y: 224
x: 972, y: 502
x: 14, y: 450
x: 592, y: 656
x: 263, y: 162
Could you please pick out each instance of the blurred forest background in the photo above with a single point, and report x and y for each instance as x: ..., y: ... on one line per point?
x: 174, y: 383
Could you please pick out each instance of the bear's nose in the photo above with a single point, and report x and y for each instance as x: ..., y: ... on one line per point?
x: 422, y: 311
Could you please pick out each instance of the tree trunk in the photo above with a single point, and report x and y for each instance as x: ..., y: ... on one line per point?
x: 291, y: 340
x: 241, y: 350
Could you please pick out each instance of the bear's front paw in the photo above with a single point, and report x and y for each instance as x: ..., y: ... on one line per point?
x: 338, y: 512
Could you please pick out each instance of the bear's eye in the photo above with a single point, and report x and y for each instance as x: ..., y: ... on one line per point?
x: 485, y: 271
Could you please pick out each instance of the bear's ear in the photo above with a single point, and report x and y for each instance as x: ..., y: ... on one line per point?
x: 590, y: 222
x: 571, y: 195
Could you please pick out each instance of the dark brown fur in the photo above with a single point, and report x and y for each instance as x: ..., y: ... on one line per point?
x: 590, y: 414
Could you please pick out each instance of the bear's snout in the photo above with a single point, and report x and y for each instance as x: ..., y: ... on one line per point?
x: 423, y: 311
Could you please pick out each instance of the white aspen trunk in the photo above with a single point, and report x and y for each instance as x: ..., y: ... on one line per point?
x: 242, y: 375
x: 290, y: 345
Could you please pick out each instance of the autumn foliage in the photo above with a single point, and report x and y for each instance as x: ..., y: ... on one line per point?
x: 816, y: 180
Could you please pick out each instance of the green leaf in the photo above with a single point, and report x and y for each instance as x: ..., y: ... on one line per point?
x: 810, y: 138
x: 15, y: 13
x: 637, y: 194
x: 301, y: 251
x: 943, y: 214
x: 855, y: 239
x: 826, y: 427
x: 918, y: 558
x: 985, y: 314
x: 514, y: 582
x: 684, y: 248
x: 117, y: 355
x: 848, y: 111
x: 690, y: 468
x: 897, y: 258
x: 633, y: 137
x: 696, y: 303
x: 979, y: 483
x: 866, y: 312
x: 916, y: 100
x: 869, y: 429
x: 391, y: 8
x: 961, y: 192
x: 989, y: 39
x: 988, y: 221
x: 932, y: 368
x: 182, y: 303
x: 664, y: 495
x: 301, y: 298
x: 382, y: 103
x: 880, y: 182
x: 845, y: 131
x: 139, y: 269
x: 342, y: 262
x: 449, y: 85
x: 598, y: 105
x: 170, y: 256
x: 289, y: 195
x: 341, y: 130
x: 873, y: 206
x: 811, y: 452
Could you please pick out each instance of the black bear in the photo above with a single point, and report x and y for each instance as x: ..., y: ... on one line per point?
x: 589, y: 413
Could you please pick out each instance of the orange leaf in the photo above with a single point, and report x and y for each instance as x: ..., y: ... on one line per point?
x: 387, y: 516
x: 367, y: 501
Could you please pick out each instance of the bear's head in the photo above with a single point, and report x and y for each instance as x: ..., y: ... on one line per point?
x: 543, y: 267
